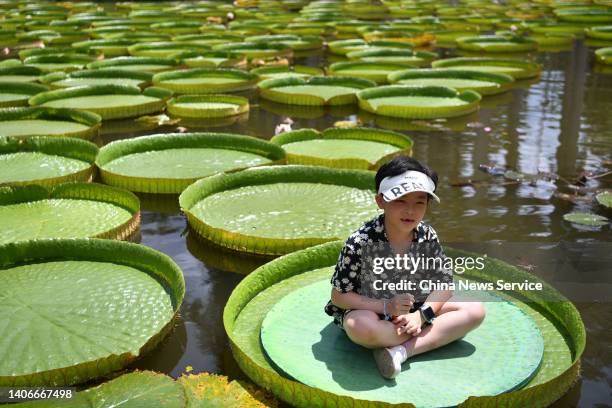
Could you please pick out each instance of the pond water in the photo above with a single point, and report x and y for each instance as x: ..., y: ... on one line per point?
x: 561, y: 123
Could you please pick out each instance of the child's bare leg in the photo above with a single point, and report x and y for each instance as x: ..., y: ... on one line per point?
x: 365, y: 328
x: 455, y: 319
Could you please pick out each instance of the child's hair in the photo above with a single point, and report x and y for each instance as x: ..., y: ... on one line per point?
x: 401, y: 164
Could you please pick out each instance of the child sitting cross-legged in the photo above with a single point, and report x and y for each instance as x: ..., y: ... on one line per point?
x: 398, y: 324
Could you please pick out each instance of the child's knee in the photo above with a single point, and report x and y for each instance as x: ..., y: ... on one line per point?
x: 476, y: 312
x: 361, y: 328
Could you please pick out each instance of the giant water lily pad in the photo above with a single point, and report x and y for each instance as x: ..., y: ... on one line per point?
x: 497, y: 43
x: 424, y: 102
x: 314, y: 91
x: 168, y: 163
x: 373, y: 71
x: 69, y: 210
x: 103, y: 76
x: 485, y: 83
x: 343, y: 47
x: 205, y: 80
x: 357, y: 148
x: 19, y: 73
x: 255, y: 50
x: 18, y: 93
x: 108, y: 101
x: 516, y: 68
x: 46, y: 161
x: 58, y: 62
x: 24, y: 122
x: 139, y: 64
x: 96, y: 304
x: 207, y: 106
x: 107, y: 47
x: 164, y: 49
x: 393, y: 56
x: 270, y: 210
x: 323, y: 357
x: 585, y: 14
x: 557, y: 320
x: 600, y: 32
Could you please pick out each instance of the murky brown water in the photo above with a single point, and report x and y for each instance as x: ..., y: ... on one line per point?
x: 560, y: 124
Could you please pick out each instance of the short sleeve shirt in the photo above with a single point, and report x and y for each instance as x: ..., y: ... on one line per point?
x: 346, y: 276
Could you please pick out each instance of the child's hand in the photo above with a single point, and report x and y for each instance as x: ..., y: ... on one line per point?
x: 409, y: 323
x: 400, y: 304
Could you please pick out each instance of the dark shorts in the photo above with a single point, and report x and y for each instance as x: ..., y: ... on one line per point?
x: 381, y: 316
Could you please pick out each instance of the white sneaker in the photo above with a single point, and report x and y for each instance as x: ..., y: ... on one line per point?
x: 389, y: 360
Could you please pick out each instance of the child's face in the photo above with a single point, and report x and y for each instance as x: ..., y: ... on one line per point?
x: 405, y: 212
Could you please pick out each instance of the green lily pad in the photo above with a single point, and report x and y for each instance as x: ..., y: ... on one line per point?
x: 98, y: 305
x: 169, y: 163
x: 58, y: 62
x: 18, y: 93
x: 37, y: 121
x: 583, y: 218
x: 393, y: 56
x: 255, y: 50
x: 164, y: 49
x: 108, y: 101
x: 358, y: 148
x: 604, y: 199
x: 207, y: 106
x: 314, y: 91
x: 424, y: 102
x: 139, y: 64
x: 485, y: 83
x: 66, y: 212
x: 516, y: 68
x: 102, y: 76
x: 19, y: 73
x: 497, y: 43
x: 205, y: 80
x: 557, y: 319
x: 373, y: 71
x: 323, y: 357
x: 46, y: 161
x: 269, y: 210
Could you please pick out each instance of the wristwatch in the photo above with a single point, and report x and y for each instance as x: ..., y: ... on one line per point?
x: 427, y: 313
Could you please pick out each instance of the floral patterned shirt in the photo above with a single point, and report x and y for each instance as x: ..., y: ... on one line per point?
x: 349, y: 272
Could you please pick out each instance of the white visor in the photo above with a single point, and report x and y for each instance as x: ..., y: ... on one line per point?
x: 394, y: 187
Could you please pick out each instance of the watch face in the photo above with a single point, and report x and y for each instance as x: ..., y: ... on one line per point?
x: 428, y: 313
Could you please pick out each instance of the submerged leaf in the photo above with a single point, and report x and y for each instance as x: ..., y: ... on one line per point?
x: 604, y: 199
x: 582, y: 218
